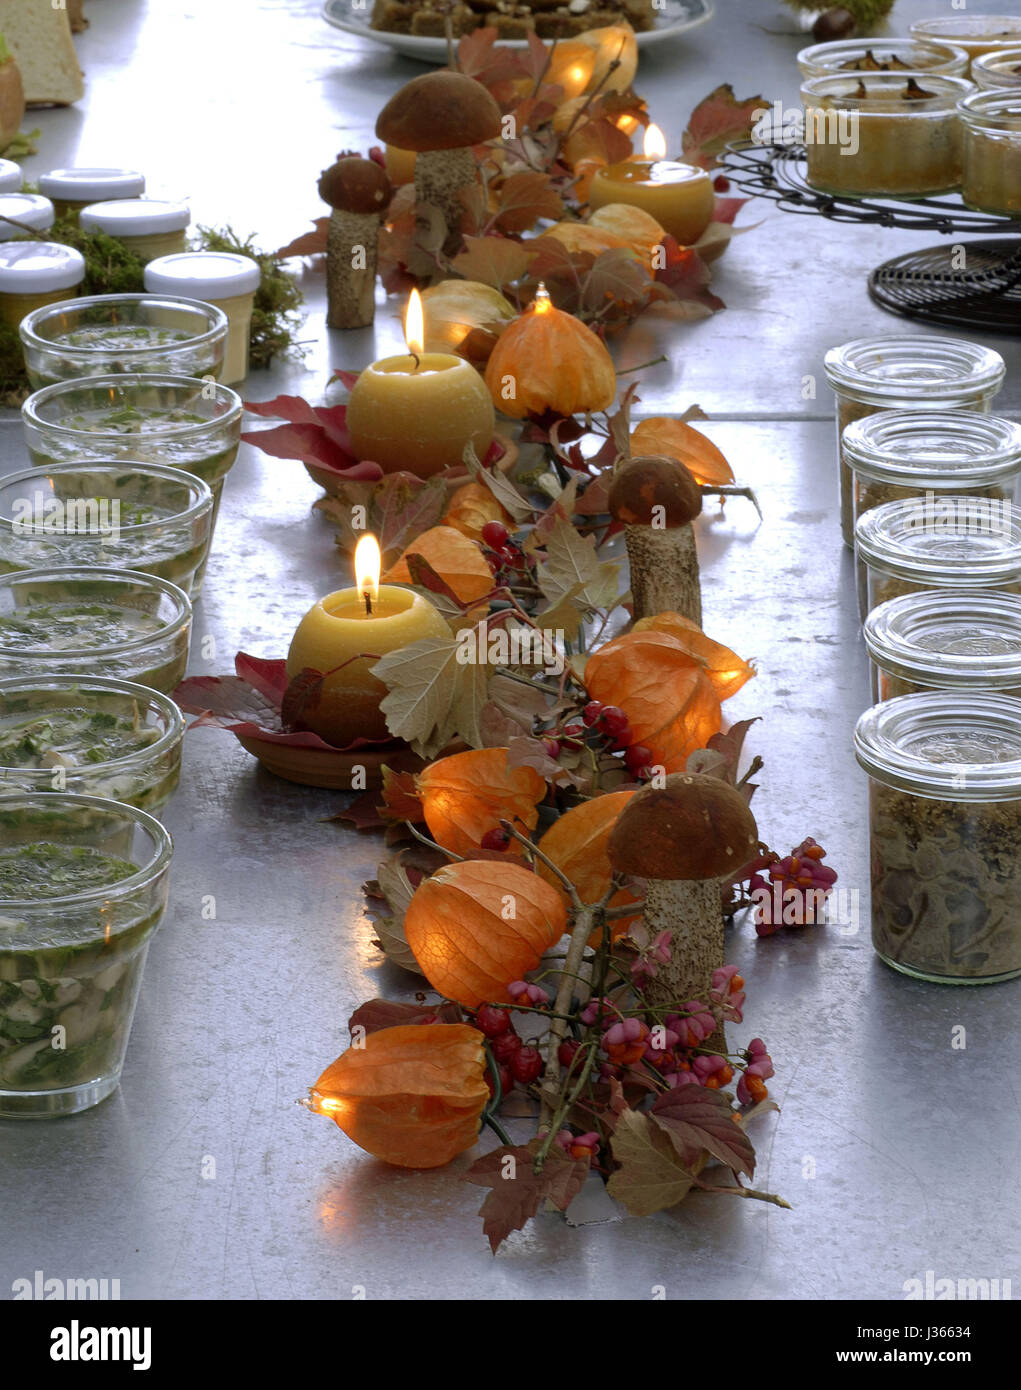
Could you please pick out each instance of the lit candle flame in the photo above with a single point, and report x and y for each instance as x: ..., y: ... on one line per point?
x: 414, y: 325
x: 368, y: 563
x: 654, y: 145
x: 542, y: 302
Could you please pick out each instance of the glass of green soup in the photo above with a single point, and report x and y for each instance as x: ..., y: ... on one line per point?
x: 103, y: 333
x: 99, y: 737
x: 151, y: 417
x: 94, y: 622
x: 83, y: 886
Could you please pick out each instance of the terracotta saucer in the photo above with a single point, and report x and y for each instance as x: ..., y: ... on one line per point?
x: 336, y: 769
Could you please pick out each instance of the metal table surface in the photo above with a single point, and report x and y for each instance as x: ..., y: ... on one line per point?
x: 892, y: 1145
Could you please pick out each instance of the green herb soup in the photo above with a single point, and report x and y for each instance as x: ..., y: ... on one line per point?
x: 70, y: 738
x: 116, y: 337
x: 157, y: 427
x: 61, y: 627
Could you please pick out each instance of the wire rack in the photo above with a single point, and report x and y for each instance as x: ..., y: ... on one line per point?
x: 975, y: 284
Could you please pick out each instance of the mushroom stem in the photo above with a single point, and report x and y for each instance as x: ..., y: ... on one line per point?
x: 664, y: 571
x: 440, y: 176
x: 691, y: 911
x: 351, y: 246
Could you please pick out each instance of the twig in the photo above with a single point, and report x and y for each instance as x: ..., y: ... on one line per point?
x: 424, y: 839
x: 565, y: 882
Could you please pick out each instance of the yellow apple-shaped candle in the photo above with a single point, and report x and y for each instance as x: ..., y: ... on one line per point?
x: 679, y: 196
x: 344, y: 635
x: 417, y: 412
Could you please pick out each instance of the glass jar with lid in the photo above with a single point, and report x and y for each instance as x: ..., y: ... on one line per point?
x: 945, y: 828
x: 881, y: 55
x: 70, y: 190
x: 992, y: 151
x: 949, y: 639
x: 1001, y: 68
x: 34, y: 274
x: 26, y: 211
x: 906, y: 372
x: 223, y: 279
x: 975, y: 33
x: 149, y: 227
x: 937, y: 542
x: 908, y: 453
x: 11, y: 176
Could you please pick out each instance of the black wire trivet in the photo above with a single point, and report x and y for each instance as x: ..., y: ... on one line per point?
x: 974, y: 284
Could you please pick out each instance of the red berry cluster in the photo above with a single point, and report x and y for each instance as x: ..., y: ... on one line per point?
x: 795, y: 892
x: 517, y: 1062
x: 606, y: 727
x: 507, y: 559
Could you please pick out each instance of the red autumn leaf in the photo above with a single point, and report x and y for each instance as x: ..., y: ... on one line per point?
x: 517, y: 1191
x: 726, y: 209
x: 309, y: 243
x: 715, y: 122
x: 524, y: 198
x: 388, y: 1013
x: 686, y: 275
x: 600, y: 140
x: 313, y: 434
x: 302, y: 693
x: 478, y: 57
x: 269, y: 677
x: 697, y: 1121
x: 401, y: 801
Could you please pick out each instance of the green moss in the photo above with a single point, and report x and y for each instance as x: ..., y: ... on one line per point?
x: 110, y: 268
x: 275, y: 317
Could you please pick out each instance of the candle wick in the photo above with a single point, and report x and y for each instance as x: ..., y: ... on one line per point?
x: 415, y: 355
x: 367, y: 595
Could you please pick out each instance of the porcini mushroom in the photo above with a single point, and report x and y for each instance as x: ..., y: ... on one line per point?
x: 359, y: 192
x: 684, y: 837
x: 440, y: 116
x: 657, y: 499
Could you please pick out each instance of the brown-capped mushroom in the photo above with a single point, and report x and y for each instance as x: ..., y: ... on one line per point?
x: 684, y: 837
x: 657, y: 499
x: 440, y: 116
x: 359, y: 192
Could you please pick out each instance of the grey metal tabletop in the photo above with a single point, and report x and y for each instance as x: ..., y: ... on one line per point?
x: 896, y: 1149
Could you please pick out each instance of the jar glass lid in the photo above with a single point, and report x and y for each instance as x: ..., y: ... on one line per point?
x: 955, y: 747
x: 203, y: 274
x: 36, y: 267
x: 135, y: 217
x: 975, y: 28
x: 91, y: 185
x: 953, y: 638
x: 996, y: 108
x: 949, y: 448
x: 946, y: 540
x: 29, y: 209
x: 911, y: 370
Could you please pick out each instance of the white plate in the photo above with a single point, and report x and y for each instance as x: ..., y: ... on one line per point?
x: 675, y: 17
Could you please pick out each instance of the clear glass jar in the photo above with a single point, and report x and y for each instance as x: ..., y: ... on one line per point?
x: 27, y: 210
x: 149, y: 227
x: 99, y: 737
x: 991, y: 122
x: 883, y: 134
x: 879, y: 55
x: 34, y: 274
x: 83, y: 886
x: 976, y: 34
x: 905, y: 372
x: 141, y: 516
x: 909, y: 453
x: 1001, y: 68
x: 226, y: 280
x: 104, y: 333
x: 946, y: 640
x: 945, y: 820
x: 94, y: 622
x: 70, y: 190
x: 937, y: 542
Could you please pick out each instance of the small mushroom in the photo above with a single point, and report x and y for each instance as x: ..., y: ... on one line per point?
x: 359, y: 192
x: 440, y: 116
x: 684, y: 837
x: 657, y: 499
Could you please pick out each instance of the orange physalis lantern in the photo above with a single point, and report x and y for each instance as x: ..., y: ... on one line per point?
x: 467, y: 794
x: 576, y: 844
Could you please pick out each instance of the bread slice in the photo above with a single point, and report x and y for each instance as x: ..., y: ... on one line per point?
x: 39, y: 36
x: 12, y: 102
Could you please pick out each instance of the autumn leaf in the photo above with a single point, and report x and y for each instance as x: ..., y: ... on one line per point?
x: 302, y: 693
x: 403, y: 507
x: 309, y: 243
x: 432, y: 694
x: 398, y: 891
x: 468, y: 794
x: 509, y: 498
x: 458, y: 561
x: 478, y: 57
x: 375, y: 1014
x: 492, y: 260
x: 400, y: 796
x: 620, y: 276
x: 313, y: 434
x: 662, y: 434
x: 651, y: 1176
x: 685, y: 274
x: 517, y: 1192
x: 571, y: 560
x: 717, y: 121
x: 699, y: 1121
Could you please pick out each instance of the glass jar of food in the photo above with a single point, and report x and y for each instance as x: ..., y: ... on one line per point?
x: 223, y: 279
x: 24, y: 211
x: 905, y: 372
x: 81, y: 734
x: 908, y: 453
x: 103, y: 333
x: 1001, y: 68
x: 992, y: 151
x: 83, y: 887
x: 11, y: 176
x: 945, y: 819
x: 94, y: 622
x: 976, y: 34
x: 70, y: 190
x: 883, y: 134
x: 945, y: 640
x: 937, y: 542
x: 879, y: 55
x: 149, y: 227
x: 34, y: 274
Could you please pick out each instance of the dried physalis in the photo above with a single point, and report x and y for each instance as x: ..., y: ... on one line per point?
x: 912, y: 92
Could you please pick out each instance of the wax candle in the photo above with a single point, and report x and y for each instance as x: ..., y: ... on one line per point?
x: 679, y: 196
x: 344, y: 635
x: 417, y: 412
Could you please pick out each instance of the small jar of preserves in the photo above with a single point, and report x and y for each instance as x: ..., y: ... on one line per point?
x: 70, y: 190
x: 223, y: 279
x: 36, y: 273
x: 1001, y: 68
x: 149, y: 227
x: 21, y: 212
x: 992, y: 151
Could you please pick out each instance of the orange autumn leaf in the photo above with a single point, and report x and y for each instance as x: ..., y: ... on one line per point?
x: 580, y: 237
x: 400, y: 797
x: 471, y: 506
x: 467, y: 794
x: 456, y: 559
x: 576, y: 844
x: 477, y: 926
x: 661, y: 434
x: 411, y: 1095
x: 669, y: 700
x: 727, y: 671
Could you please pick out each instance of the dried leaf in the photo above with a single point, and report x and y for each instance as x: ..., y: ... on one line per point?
x: 571, y: 560
x: 400, y: 796
x: 456, y: 560
x: 651, y: 1176
x: 717, y: 121
x: 517, y: 1192
x: 500, y: 486
x: 494, y: 261
x: 432, y: 694
x: 700, y: 1121
x: 619, y: 276
x: 309, y: 243
x: 302, y: 694
x: 375, y: 1014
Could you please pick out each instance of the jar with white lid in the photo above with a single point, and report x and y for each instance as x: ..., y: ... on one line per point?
x: 909, y: 453
x: 975, y: 33
x: 28, y: 210
x: 906, y: 372
x: 937, y: 542
x: 945, y: 640
x: 223, y: 279
x: 874, y: 54
x: 1001, y: 68
x: 36, y: 273
x: 945, y: 829
x: 991, y: 180
x: 149, y: 227
x: 11, y: 176
x: 70, y: 190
